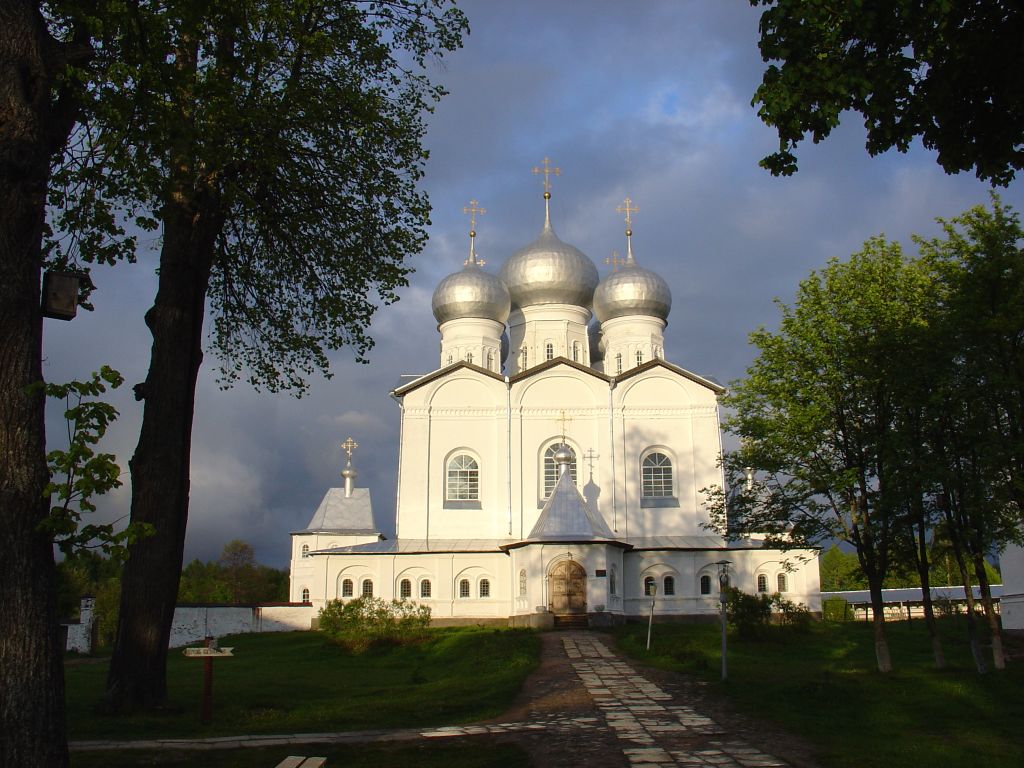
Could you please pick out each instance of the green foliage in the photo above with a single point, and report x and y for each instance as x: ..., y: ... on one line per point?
x: 749, y: 615
x: 234, y: 578
x: 80, y: 574
x: 78, y: 473
x: 796, y: 616
x: 372, y: 621
x: 840, y: 571
x: 835, y: 609
x: 939, y: 71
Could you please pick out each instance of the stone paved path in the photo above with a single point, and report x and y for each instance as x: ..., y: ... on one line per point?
x: 584, y: 706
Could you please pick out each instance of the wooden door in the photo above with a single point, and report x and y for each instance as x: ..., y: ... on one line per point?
x: 568, y: 588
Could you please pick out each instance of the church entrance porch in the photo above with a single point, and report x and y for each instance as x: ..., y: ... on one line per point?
x: 568, y: 593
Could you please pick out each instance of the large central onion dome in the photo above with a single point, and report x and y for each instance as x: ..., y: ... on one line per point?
x: 632, y: 290
x: 548, y: 271
x: 471, y: 292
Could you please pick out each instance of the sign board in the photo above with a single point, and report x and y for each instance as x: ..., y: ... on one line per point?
x: 207, y: 652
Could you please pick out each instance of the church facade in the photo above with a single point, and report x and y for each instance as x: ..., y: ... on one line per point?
x: 552, y: 465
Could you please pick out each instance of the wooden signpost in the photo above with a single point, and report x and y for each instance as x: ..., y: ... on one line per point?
x: 208, y: 654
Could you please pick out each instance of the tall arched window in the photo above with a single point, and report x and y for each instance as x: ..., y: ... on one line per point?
x: 305, y: 595
x: 346, y: 588
x: 367, y: 588
x: 762, y: 583
x: 549, y: 351
x: 575, y: 351
x: 551, y: 469
x: 522, y: 583
x: 656, y: 471
x: 464, y: 588
x: 670, y: 585
x: 425, y: 588
x: 305, y: 550
x: 449, y: 360
x: 485, y: 588
x: 618, y: 362
x: 490, y: 360
x: 639, y: 357
x: 463, y: 478
x: 469, y: 357
x: 522, y: 360
x: 649, y: 586
x: 781, y: 579
x: 705, y: 584
x: 405, y: 589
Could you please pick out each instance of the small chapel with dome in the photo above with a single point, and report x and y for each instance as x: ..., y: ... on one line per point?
x: 550, y: 469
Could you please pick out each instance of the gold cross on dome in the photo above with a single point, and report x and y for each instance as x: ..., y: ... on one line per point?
x: 615, y: 261
x: 472, y: 210
x: 563, y: 418
x: 627, y: 208
x: 349, y: 445
x: 547, y: 170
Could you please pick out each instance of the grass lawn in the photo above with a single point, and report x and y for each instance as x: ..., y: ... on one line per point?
x: 299, y: 682
x: 429, y: 755
x: 823, y: 686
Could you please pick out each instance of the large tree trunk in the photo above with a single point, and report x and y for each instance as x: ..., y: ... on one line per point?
x: 922, y: 563
x: 32, y: 127
x: 160, y: 466
x: 882, y: 655
x: 965, y: 578
x: 998, y: 658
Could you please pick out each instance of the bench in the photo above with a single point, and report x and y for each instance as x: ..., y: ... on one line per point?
x: 296, y: 761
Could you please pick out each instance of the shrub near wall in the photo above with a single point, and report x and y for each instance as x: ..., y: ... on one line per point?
x: 367, y: 621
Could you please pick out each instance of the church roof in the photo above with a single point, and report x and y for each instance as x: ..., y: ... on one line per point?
x: 567, y: 517
x: 415, y: 547
x: 338, y: 513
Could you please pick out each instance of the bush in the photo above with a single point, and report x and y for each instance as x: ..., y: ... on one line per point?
x: 794, y: 615
x: 835, y: 609
x: 367, y: 621
x: 749, y: 615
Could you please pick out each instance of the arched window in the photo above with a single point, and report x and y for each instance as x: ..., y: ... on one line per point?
x: 305, y: 550
x: 305, y: 595
x: 639, y: 357
x: 425, y: 588
x: 405, y: 589
x: 613, y: 587
x: 367, y: 588
x: 490, y: 360
x: 551, y: 469
x: 522, y: 583
x: 705, y: 584
x: 656, y: 473
x: 346, y: 588
x: 549, y: 351
x: 449, y: 359
x: 575, y: 351
x: 522, y: 360
x: 670, y: 585
x: 464, y: 588
x: 618, y: 362
x: 469, y: 357
x: 762, y: 583
x: 649, y: 586
x: 781, y: 579
x: 485, y: 588
x: 463, y: 478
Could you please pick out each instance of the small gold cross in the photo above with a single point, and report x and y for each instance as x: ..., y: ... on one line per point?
x: 615, y: 261
x: 563, y: 418
x: 547, y: 171
x: 349, y: 445
x: 627, y: 208
x: 472, y: 210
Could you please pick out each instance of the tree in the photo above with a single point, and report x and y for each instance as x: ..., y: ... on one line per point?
x: 815, y: 413
x: 278, y: 145
x: 948, y: 73
x: 38, y: 110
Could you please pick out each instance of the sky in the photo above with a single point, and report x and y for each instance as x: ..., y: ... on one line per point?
x: 648, y: 100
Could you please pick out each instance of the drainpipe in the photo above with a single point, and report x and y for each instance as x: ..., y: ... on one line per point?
x: 430, y: 421
x: 611, y: 445
x: 398, y: 485
x: 508, y: 447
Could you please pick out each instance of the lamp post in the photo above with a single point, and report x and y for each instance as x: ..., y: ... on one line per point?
x: 650, y: 621
x: 723, y: 585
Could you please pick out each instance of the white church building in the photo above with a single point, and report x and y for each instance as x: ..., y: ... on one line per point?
x: 550, y: 469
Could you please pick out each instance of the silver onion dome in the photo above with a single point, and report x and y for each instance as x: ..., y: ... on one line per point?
x: 471, y: 292
x: 632, y: 290
x: 549, y: 271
